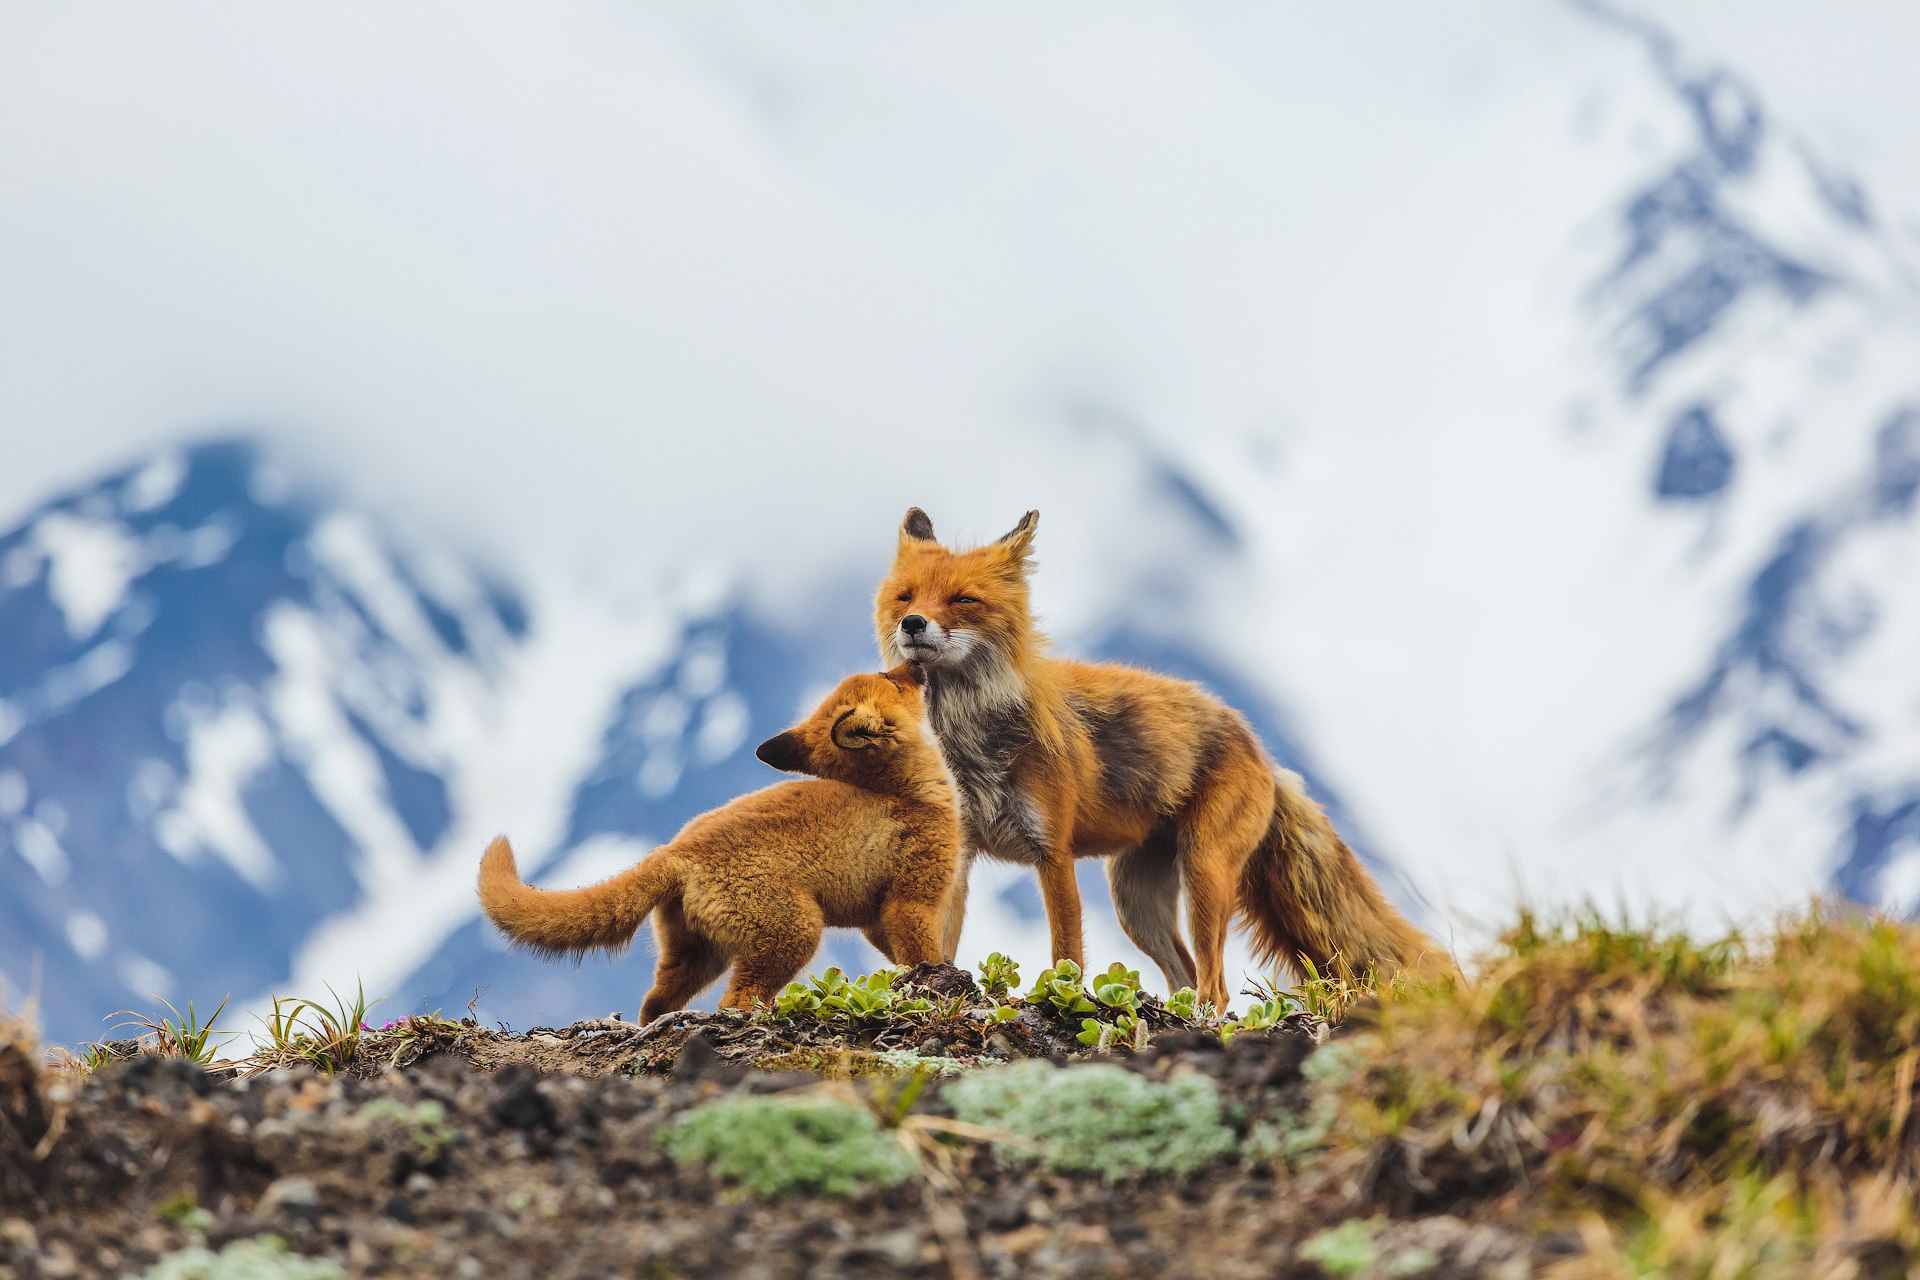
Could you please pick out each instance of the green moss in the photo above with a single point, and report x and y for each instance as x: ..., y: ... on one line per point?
x: 264, y: 1258
x: 860, y: 1064
x: 772, y: 1146
x: 1345, y: 1250
x: 425, y: 1122
x: 184, y: 1210
x: 1099, y: 1118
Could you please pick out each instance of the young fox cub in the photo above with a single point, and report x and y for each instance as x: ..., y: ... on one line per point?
x: 1056, y: 760
x: 870, y: 841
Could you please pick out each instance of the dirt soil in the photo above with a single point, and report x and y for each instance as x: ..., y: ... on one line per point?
x: 546, y: 1164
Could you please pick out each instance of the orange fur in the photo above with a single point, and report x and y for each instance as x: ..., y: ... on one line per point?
x: 870, y: 841
x: 1056, y: 760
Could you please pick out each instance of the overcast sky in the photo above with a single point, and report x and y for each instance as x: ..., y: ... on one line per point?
x: 575, y: 276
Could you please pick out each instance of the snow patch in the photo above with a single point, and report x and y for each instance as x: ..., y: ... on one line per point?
x: 1900, y: 882
x: 87, y: 934
x: 225, y: 750
x: 660, y: 773
x: 346, y: 546
x: 723, y: 728
x: 41, y: 848
x: 13, y: 793
x: 148, y: 977
x: 20, y: 567
x: 155, y: 484
x: 594, y: 860
x: 339, y: 764
x: 91, y: 563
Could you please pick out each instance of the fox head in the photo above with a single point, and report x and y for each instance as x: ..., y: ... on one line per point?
x: 946, y: 610
x: 868, y: 732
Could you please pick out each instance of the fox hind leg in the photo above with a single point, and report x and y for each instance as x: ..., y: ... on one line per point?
x: 783, y: 942
x: 1145, y: 883
x: 687, y: 965
x: 1221, y: 826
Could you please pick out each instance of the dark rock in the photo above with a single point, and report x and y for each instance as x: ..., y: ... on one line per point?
x: 1267, y: 1057
x: 151, y: 1073
x: 942, y: 982
x: 699, y: 1059
x: 518, y: 1102
x: 1003, y: 1213
x: 778, y: 1081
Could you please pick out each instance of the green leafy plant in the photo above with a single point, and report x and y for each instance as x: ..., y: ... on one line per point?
x: 183, y: 1035
x: 1118, y: 988
x: 834, y: 997
x: 1187, y: 1005
x: 1098, y: 1118
x: 774, y: 1146
x: 1269, y: 1012
x: 998, y: 975
x: 795, y: 1000
x: 1002, y: 1013
x: 1059, y: 989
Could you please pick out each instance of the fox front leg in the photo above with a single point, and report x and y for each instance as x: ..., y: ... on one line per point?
x: 1060, y: 891
x: 913, y: 928
x: 953, y: 914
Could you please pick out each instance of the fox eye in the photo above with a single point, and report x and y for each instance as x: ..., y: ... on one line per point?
x: 904, y: 597
x: 963, y: 600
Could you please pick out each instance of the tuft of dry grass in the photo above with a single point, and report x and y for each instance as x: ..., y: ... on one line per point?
x: 300, y: 1031
x: 1674, y: 1097
x: 168, y: 1035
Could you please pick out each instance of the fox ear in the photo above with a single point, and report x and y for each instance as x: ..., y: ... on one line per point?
x: 1019, y: 539
x: 917, y: 527
x: 905, y: 676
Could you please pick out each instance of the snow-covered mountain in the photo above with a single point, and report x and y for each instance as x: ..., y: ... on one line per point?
x: 1631, y: 609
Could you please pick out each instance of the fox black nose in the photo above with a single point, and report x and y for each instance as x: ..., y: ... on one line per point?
x: 913, y: 624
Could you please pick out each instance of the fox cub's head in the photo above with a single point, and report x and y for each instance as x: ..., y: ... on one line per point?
x: 868, y: 732
x: 947, y: 609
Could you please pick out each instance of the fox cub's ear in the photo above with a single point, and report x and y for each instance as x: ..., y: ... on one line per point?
x: 906, y: 676
x: 1019, y: 539
x: 917, y: 527
x: 785, y: 752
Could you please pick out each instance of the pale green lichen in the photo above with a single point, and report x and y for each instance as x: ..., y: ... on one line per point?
x: 1099, y: 1118
x: 772, y: 1146
x: 263, y: 1258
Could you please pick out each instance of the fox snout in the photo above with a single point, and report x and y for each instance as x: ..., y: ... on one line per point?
x: 920, y: 637
x: 784, y: 751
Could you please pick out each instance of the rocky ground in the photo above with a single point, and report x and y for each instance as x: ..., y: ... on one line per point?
x: 475, y: 1152
x: 1592, y: 1103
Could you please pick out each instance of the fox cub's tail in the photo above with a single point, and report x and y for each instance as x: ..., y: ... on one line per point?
x: 602, y: 916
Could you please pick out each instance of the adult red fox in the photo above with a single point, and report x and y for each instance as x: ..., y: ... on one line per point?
x: 1056, y: 760
x: 870, y: 841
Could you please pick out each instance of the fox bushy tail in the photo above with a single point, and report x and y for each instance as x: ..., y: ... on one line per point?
x: 1306, y: 896
x: 554, y: 922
